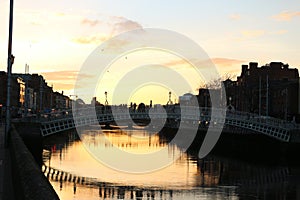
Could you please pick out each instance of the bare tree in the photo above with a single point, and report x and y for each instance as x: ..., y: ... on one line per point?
x: 216, y: 83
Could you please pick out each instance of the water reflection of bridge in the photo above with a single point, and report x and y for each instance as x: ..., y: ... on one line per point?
x: 228, y: 176
x: 106, y: 190
x: 212, y: 173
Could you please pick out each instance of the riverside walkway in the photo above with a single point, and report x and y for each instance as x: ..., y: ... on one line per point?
x: 6, y: 187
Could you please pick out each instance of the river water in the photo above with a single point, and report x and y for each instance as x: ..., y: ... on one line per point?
x: 77, y: 174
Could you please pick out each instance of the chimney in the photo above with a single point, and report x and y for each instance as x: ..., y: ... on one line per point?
x: 244, y: 69
x: 276, y: 65
x: 253, y: 65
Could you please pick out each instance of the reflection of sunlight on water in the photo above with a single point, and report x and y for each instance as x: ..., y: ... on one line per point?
x: 70, y: 191
x: 187, y: 178
x: 181, y: 180
x: 134, y: 141
x: 75, y: 159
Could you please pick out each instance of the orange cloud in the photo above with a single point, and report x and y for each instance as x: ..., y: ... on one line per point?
x: 122, y: 24
x: 115, y: 25
x: 227, y: 66
x: 181, y: 63
x: 64, y: 80
x: 253, y: 33
x: 61, y: 80
x: 216, y: 61
x: 93, y: 39
x: 286, y: 16
x: 90, y: 22
x: 175, y: 62
x: 226, y: 62
x: 224, y: 65
x: 60, y: 75
x: 63, y: 86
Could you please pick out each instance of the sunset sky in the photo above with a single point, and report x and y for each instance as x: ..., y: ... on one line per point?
x: 55, y: 37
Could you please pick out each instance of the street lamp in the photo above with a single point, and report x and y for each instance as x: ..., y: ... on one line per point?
x: 10, y: 61
x: 73, y: 100
x: 170, y: 101
x: 106, y: 102
x: 73, y: 95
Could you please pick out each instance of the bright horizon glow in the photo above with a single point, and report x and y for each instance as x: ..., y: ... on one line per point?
x: 56, y: 37
x: 154, y: 62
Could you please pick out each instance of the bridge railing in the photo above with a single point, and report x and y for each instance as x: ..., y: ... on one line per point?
x: 175, y: 110
x: 252, y: 117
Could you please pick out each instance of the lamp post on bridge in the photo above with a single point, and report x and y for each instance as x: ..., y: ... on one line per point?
x: 73, y: 95
x: 106, y: 102
x: 73, y: 101
x: 170, y: 101
x: 10, y: 61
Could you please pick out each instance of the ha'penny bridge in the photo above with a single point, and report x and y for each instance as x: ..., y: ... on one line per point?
x: 277, y: 129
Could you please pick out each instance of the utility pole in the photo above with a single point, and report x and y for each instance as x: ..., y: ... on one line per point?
x: 10, y: 61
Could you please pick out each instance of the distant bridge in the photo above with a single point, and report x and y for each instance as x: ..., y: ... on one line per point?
x: 275, y: 128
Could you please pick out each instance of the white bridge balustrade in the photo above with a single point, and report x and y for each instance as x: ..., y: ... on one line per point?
x: 56, y: 122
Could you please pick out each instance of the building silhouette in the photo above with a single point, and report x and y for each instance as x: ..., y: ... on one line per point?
x: 30, y: 93
x: 270, y: 90
x: 17, y: 94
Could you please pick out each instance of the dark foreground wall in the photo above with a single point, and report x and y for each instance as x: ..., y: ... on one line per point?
x: 28, y: 180
x: 31, y: 136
